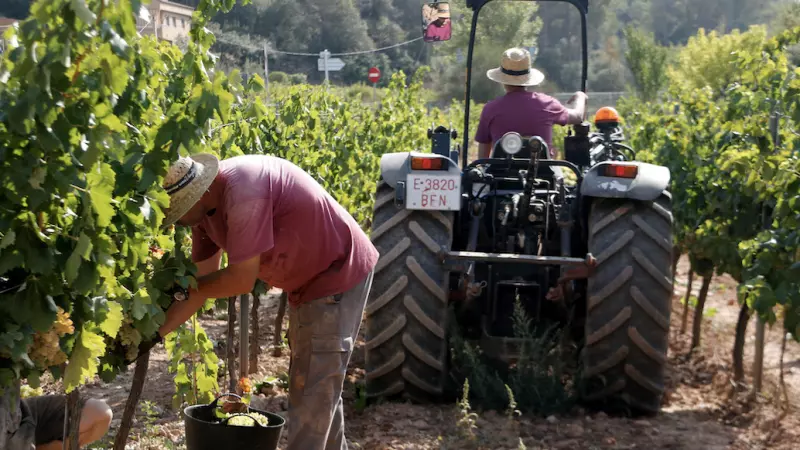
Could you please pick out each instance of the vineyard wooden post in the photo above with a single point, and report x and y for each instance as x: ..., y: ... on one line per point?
x: 254, y: 347
x: 244, y: 329
x: 758, y: 362
x: 230, y: 354
x: 685, y: 317
x: 277, y: 342
x: 676, y: 257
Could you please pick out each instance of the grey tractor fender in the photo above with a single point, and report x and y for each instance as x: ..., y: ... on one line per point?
x: 651, y: 180
x: 396, y: 166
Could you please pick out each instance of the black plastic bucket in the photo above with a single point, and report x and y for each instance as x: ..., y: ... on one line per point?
x: 205, y: 432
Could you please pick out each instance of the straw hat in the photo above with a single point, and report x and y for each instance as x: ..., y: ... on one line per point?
x: 443, y: 10
x: 515, y: 69
x: 186, y: 182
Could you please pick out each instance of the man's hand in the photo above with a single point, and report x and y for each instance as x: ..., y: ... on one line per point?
x: 236, y: 279
x: 577, y: 109
x: 578, y: 96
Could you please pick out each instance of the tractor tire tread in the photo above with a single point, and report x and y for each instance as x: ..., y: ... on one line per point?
x: 628, y: 304
x: 406, y: 313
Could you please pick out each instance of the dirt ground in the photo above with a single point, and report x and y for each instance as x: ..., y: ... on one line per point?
x: 699, y: 411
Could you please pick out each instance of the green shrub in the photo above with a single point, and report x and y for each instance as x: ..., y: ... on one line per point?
x: 298, y: 78
x: 538, y: 382
x: 279, y: 77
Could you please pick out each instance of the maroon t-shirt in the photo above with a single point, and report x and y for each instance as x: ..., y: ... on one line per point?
x: 527, y: 113
x: 435, y: 32
x: 310, y: 246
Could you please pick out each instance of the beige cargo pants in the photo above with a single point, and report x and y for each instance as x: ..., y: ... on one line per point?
x: 321, y: 337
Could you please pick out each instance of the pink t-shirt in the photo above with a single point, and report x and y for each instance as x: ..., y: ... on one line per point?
x: 527, y: 113
x: 310, y: 246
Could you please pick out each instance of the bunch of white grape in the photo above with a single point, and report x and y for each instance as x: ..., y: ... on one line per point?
x: 245, y: 421
x: 45, y: 350
x: 130, y: 338
x: 26, y: 391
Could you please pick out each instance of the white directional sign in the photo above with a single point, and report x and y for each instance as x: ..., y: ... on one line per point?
x: 334, y: 64
x: 327, y: 64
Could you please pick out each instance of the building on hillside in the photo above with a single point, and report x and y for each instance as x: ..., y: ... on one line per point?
x: 4, y: 25
x: 168, y: 21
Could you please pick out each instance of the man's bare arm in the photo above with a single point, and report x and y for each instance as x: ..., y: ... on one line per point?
x: 209, y: 265
x: 484, y: 150
x: 236, y: 279
x: 578, y: 111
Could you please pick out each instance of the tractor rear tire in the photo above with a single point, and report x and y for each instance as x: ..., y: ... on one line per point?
x: 628, y: 304
x: 406, y: 313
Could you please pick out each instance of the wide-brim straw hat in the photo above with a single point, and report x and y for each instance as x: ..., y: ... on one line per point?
x: 186, y: 182
x: 443, y: 10
x: 515, y: 69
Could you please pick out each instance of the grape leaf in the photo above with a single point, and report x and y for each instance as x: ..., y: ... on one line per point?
x: 14, y: 341
x: 82, y: 250
x: 8, y: 239
x: 206, y: 383
x: 140, y: 300
x: 33, y: 379
x: 83, y: 12
x: 84, y: 360
x: 113, y: 319
x: 37, y: 177
x: 101, y: 185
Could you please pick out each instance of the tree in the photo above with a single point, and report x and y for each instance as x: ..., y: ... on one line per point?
x: 607, y: 67
x: 709, y: 58
x: 647, y: 61
x: 500, y: 26
x: 787, y: 18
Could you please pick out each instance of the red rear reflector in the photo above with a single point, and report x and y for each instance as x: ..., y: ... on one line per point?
x: 617, y: 171
x: 418, y: 163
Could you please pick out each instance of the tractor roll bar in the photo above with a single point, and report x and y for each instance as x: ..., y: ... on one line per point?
x: 477, y: 5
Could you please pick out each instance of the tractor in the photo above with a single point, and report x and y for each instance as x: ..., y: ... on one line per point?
x: 589, y: 234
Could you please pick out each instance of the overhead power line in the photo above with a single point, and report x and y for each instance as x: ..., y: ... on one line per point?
x: 316, y: 55
x: 377, y: 49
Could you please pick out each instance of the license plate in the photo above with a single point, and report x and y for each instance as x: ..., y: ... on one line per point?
x: 433, y: 192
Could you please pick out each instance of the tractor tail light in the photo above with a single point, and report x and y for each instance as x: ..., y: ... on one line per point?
x: 619, y: 171
x: 421, y: 163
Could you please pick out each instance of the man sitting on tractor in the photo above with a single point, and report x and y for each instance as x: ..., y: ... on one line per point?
x: 438, y: 29
x: 527, y: 113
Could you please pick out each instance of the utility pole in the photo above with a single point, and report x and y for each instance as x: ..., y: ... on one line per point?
x: 325, y: 54
x: 244, y: 334
x: 266, y: 70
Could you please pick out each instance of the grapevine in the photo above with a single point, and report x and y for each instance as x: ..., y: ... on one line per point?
x: 733, y: 155
x: 91, y: 116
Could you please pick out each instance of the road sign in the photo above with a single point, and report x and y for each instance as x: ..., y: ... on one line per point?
x: 374, y: 74
x: 334, y: 64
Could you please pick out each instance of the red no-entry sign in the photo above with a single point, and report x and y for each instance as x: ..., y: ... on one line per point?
x: 374, y: 74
